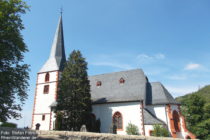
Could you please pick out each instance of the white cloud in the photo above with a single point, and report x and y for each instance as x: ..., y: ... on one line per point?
x: 149, y: 58
x: 192, y: 66
x: 160, y: 56
x: 144, y: 57
x: 113, y: 64
x: 131, y: 61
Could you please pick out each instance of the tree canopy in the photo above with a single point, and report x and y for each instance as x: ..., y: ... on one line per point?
x: 74, y: 99
x: 13, y: 72
x: 196, y: 109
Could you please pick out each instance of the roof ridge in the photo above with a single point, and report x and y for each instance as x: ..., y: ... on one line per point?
x: 116, y: 72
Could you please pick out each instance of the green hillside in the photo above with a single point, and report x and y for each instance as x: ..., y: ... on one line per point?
x: 196, y: 110
x: 203, y: 93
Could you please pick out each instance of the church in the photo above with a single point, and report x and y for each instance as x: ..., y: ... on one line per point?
x: 125, y: 96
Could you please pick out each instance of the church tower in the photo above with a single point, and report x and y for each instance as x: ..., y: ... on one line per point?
x: 47, y: 83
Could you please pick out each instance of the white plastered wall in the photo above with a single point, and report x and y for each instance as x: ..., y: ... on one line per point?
x: 130, y: 113
x: 53, y: 118
x: 159, y: 111
x: 43, y: 101
x: 44, y: 125
x: 53, y: 77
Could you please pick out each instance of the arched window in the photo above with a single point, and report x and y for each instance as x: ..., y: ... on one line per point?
x: 117, y: 120
x: 121, y: 81
x: 47, y: 77
x: 176, y: 121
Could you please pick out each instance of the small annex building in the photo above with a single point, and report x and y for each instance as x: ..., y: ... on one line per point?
x: 119, y: 97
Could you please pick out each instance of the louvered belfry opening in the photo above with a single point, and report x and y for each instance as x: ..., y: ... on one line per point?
x: 47, y: 77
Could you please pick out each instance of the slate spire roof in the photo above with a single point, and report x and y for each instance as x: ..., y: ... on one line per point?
x: 57, y: 56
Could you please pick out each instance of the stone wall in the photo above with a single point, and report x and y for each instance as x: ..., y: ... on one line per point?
x: 68, y: 135
x: 23, y: 134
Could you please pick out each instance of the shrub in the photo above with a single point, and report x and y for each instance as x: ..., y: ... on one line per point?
x: 93, y: 125
x: 160, y: 131
x: 58, y: 121
x: 132, y: 129
x: 7, y: 124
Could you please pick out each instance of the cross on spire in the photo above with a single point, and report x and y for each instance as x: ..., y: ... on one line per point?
x: 61, y: 10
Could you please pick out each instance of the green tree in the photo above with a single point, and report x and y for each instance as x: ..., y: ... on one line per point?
x: 74, y: 98
x: 206, y: 109
x: 58, y: 121
x: 160, y: 131
x: 132, y: 129
x: 13, y: 72
x: 197, y: 113
x: 194, y: 110
x: 202, y: 129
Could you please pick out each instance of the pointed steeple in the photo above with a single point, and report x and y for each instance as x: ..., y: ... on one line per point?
x: 57, y: 56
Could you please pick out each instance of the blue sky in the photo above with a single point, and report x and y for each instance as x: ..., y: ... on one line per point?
x: 169, y: 40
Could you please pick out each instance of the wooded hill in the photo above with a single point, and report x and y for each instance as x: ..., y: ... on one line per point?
x: 196, y: 110
x: 203, y: 93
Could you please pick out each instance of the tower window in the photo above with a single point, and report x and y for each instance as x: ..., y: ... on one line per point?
x: 98, y: 83
x: 47, y: 77
x: 43, y: 117
x: 117, y: 120
x: 121, y: 81
x: 46, y: 89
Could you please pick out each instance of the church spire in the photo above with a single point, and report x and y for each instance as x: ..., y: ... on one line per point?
x: 57, y: 56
